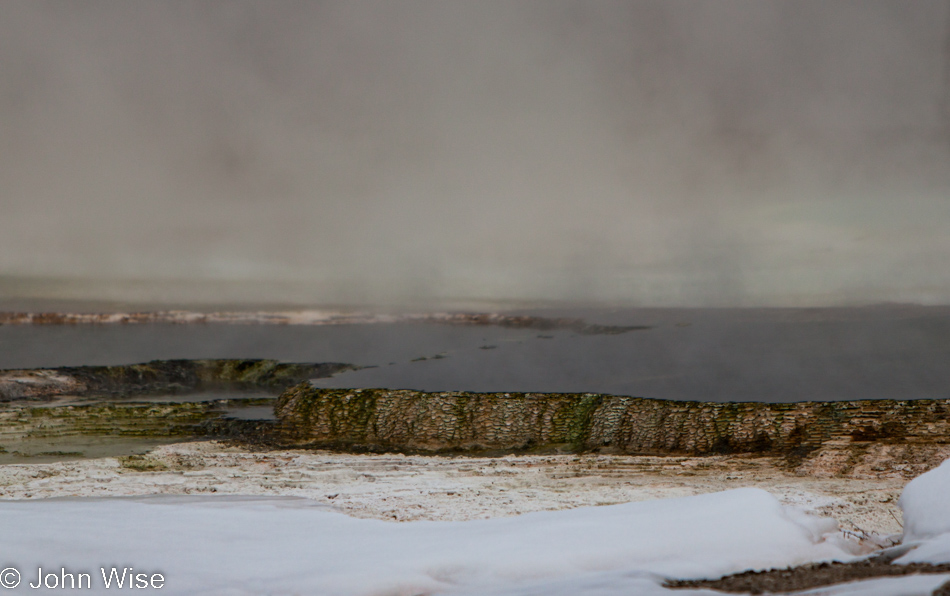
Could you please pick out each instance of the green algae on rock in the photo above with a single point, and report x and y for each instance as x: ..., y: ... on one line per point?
x: 63, y: 412
x: 382, y: 419
x: 127, y: 419
x: 159, y: 376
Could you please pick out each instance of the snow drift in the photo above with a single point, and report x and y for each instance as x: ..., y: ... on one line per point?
x: 251, y: 545
x: 926, y: 506
x: 279, y: 545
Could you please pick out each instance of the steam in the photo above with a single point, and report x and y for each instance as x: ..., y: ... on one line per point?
x: 728, y: 152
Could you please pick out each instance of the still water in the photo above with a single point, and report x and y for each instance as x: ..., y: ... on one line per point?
x: 775, y: 355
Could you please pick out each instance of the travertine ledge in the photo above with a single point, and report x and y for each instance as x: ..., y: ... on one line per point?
x: 380, y: 419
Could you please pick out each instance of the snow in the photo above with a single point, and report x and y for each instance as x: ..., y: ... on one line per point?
x: 935, y: 550
x: 208, y: 545
x: 242, y: 545
x: 908, y: 585
x: 926, y: 504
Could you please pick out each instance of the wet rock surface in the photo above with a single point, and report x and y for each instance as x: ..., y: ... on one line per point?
x: 159, y: 376
x: 462, y: 421
x: 87, y: 411
x: 48, y: 409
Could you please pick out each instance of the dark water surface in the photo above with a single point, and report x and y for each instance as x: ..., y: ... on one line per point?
x: 775, y: 355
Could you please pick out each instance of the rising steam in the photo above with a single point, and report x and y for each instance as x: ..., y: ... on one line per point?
x: 694, y: 152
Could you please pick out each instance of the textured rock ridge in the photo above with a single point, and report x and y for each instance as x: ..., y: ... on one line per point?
x: 462, y: 421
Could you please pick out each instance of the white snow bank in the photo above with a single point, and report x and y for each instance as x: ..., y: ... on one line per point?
x: 907, y: 585
x: 936, y: 550
x: 926, y: 504
x: 266, y: 546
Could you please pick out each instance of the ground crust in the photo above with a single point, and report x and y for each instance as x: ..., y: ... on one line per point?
x: 813, y: 575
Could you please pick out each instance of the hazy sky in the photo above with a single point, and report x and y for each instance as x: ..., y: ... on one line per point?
x: 728, y: 152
